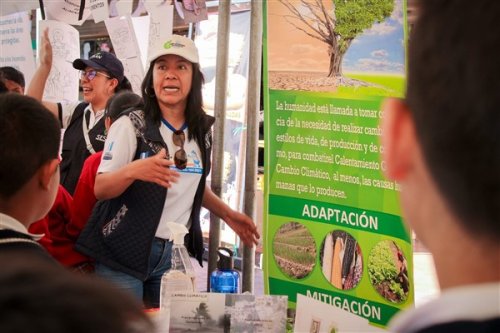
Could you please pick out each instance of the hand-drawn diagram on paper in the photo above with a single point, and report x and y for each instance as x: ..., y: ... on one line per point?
x: 62, y: 83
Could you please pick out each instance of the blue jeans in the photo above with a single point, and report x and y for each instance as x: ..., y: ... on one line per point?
x: 148, y: 290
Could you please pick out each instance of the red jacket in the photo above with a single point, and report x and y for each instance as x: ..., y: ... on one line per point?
x: 56, y: 241
x: 68, y: 216
x: 84, y: 198
x: 42, y: 227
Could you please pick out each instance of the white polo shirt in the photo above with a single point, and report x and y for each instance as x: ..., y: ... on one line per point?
x: 68, y: 108
x: 120, y: 149
x: 473, y: 302
x: 8, y: 222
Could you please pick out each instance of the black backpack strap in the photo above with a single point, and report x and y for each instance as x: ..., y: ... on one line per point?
x: 137, y: 119
x: 79, y: 111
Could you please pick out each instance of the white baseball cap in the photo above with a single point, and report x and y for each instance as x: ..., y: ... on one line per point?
x: 178, y: 45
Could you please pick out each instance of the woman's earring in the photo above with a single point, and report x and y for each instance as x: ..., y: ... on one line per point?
x: 152, y: 94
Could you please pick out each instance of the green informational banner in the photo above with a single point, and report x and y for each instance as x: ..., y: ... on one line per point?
x: 332, y: 228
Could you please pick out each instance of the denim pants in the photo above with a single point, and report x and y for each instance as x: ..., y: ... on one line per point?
x: 148, y: 290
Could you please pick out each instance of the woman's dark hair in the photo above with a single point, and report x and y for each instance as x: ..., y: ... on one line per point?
x: 194, y: 113
x: 125, y: 85
x: 120, y: 102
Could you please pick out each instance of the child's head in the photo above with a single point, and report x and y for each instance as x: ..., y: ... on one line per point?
x: 28, y: 153
x: 120, y: 102
x: 453, y: 101
x: 3, y: 87
x: 13, y: 79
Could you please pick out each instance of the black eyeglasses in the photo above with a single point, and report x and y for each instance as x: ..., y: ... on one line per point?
x: 180, y: 157
x: 90, y: 75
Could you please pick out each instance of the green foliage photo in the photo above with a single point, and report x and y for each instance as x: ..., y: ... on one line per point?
x: 381, y: 264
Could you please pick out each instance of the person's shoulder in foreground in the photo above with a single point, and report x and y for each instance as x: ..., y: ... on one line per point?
x: 442, y: 144
x: 474, y: 308
x: 29, y: 174
x: 36, y: 297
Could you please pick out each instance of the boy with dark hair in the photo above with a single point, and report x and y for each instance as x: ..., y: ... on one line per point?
x: 29, y: 169
x: 13, y: 79
x: 36, y: 293
x: 442, y: 144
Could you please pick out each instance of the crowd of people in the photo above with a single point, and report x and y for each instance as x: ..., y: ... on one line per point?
x: 152, y: 171
x: 131, y: 163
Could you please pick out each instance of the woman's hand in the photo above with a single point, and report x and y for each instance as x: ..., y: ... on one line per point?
x: 243, y: 226
x: 39, y: 79
x: 45, y: 50
x: 155, y: 169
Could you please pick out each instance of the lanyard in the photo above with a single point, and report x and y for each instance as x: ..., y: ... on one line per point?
x: 86, y: 133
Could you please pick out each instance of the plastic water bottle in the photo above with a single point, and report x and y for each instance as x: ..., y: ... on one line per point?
x: 181, y: 276
x: 225, y: 279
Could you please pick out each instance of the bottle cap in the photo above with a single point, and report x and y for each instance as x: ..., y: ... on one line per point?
x: 225, y: 258
x: 177, y: 232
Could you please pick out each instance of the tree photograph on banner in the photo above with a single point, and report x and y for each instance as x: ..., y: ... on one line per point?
x: 338, y: 46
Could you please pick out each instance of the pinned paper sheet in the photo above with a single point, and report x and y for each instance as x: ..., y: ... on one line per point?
x: 161, y: 22
x: 66, y: 11
x: 15, y: 38
x: 124, y: 7
x: 122, y: 34
x: 100, y: 10
x: 11, y: 7
x: 191, y: 11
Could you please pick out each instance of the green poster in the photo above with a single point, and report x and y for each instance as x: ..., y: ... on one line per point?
x: 333, y: 229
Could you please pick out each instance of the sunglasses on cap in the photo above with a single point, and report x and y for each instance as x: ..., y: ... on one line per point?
x: 90, y: 75
x: 180, y: 157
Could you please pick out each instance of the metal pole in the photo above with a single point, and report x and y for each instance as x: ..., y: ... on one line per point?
x: 220, y: 118
x: 253, y: 105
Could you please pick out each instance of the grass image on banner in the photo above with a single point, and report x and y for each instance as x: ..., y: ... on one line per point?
x: 294, y: 250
